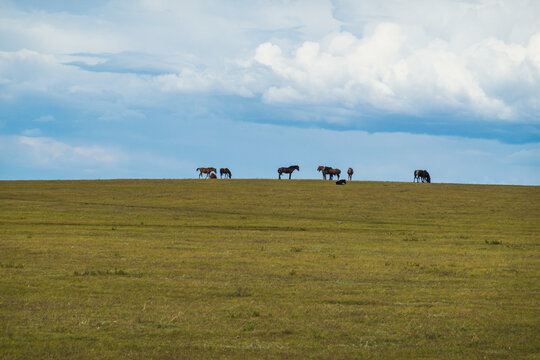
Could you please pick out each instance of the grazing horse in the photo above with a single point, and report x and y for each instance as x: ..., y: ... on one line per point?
x: 427, y: 178
x: 341, y: 182
x: 350, y: 172
x: 288, y: 170
x: 206, y: 171
x: 421, y: 175
x: 226, y: 172
x: 334, y: 172
x: 325, y: 171
x: 417, y: 175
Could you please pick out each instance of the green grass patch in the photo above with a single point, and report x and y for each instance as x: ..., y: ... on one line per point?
x: 189, y: 269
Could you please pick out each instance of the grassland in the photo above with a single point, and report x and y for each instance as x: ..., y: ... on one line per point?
x: 200, y: 269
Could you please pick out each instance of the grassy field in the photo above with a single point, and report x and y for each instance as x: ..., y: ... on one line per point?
x: 200, y: 269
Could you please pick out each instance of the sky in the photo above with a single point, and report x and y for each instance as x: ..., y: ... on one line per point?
x: 157, y: 88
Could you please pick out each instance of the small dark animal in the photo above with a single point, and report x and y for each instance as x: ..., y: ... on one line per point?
x: 226, y: 172
x: 213, y: 176
x: 341, y: 182
x: 350, y: 172
x: 288, y: 170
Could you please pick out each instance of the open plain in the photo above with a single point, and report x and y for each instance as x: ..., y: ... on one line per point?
x: 199, y: 269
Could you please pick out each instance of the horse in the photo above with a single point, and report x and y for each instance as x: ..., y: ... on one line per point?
x: 206, y: 171
x: 417, y: 175
x: 287, y: 170
x: 333, y: 172
x: 325, y: 171
x: 350, y: 172
x: 226, y: 172
x: 341, y: 182
x: 421, y: 175
x: 213, y: 176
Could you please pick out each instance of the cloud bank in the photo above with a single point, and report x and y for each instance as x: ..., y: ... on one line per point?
x: 387, y: 67
x: 391, y: 71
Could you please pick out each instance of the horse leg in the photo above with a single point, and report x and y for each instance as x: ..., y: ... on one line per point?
x: 290, y: 175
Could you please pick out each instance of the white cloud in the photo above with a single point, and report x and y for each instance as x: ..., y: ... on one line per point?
x: 32, y: 132
x: 391, y: 70
x: 48, y: 153
x: 472, y: 59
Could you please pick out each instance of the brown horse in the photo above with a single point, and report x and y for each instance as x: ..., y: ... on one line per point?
x: 206, y: 171
x: 213, y: 176
x: 287, y: 170
x: 334, y: 172
x: 325, y: 171
x: 421, y: 175
x: 350, y: 172
x: 226, y: 172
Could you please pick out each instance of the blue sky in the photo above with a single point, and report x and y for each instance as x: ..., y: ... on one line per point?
x: 157, y: 88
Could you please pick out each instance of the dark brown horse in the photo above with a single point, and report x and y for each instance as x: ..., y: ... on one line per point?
x: 350, y: 172
x: 226, y: 172
x: 422, y: 175
x: 334, y: 172
x: 325, y: 171
x: 206, y: 171
x: 288, y: 170
x: 213, y: 176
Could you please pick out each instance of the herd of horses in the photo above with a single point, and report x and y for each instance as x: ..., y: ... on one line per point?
x: 211, y: 173
x: 331, y: 172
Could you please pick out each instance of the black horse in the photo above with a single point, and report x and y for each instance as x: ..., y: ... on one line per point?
x: 288, y: 170
x: 226, y: 172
